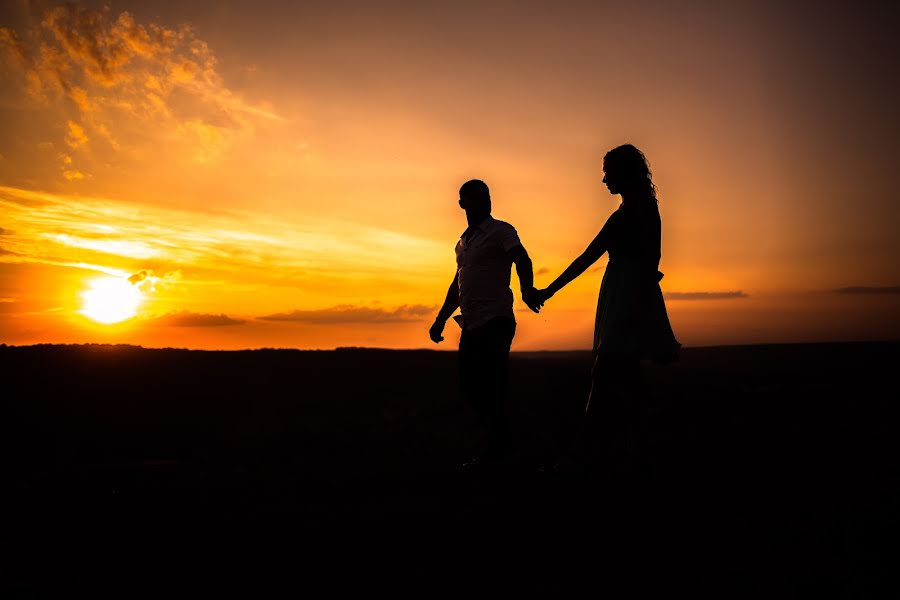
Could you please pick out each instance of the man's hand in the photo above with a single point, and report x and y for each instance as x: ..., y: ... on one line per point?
x: 532, y: 299
x: 436, y: 330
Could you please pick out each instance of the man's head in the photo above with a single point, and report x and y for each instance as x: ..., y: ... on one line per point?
x: 475, y: 197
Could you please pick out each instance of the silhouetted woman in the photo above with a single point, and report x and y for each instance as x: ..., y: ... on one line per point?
x: 631, y: 321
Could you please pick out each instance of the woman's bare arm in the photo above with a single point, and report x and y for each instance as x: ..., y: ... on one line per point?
x: 592, y: 253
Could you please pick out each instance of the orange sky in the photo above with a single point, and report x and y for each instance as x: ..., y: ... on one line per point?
x: 287, y: 176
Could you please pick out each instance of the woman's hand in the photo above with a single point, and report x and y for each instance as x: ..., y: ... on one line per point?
x: 543, y: 295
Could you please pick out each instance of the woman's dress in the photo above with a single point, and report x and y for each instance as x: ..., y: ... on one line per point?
x: 631, y: 312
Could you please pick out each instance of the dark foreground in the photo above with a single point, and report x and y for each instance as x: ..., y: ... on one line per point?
x: 772, y: 466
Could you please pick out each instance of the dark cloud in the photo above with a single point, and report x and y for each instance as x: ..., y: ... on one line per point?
x: 704, y: 295
x: 5, y: 252
x: 542, y: 271
x: 4, y: 231
x: 189, y: 319
x: 355, y: 314
x: 869, y: 290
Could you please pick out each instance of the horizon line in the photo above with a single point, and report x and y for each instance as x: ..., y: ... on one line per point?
x: 423, y: 349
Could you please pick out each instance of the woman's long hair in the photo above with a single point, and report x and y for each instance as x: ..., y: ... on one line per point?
x: 631, y: 164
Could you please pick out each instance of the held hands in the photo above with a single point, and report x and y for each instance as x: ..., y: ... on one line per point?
x: 543, y: 295
x: 535, y: 298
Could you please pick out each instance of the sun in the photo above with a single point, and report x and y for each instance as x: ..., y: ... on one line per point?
x: 110, y: 300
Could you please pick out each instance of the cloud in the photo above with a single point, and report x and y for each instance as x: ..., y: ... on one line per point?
x: 704, y: 295
x: 75, y: 136
x: 113, y: 79
x: 189, y: 319
x: 869, y: 290
x: 346, y: 313
x: 4, y: 231
x: 207, y: 140
x: 542, y: 271
x: 240, y: 246
x: 137, y: 278
x: 108, y: 245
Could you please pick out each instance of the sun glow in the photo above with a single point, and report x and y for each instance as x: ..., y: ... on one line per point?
x: 110, y: 300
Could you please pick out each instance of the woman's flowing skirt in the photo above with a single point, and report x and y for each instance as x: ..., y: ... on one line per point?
x: 628, y: 324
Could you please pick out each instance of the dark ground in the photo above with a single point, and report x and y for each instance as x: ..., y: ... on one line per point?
x: 774, y: 467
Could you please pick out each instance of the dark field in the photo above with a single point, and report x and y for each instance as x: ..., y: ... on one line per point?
x: 776, y: 463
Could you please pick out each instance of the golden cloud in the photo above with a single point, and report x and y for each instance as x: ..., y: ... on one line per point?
x: 75, y: 136
x: 126, y: 83
x: 238, y: 249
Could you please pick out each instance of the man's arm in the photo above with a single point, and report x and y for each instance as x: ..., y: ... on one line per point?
x: 525, y: 271
x: 451, y: 303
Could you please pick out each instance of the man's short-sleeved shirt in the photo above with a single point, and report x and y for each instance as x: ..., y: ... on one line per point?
x: 483, y: 266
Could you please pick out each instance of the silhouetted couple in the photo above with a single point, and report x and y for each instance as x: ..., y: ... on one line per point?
x: 631, y: 321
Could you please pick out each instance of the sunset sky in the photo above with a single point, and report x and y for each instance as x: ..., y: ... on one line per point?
x: 271, y: 174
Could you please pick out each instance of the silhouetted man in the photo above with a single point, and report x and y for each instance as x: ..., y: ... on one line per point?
x: 480, y: 289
